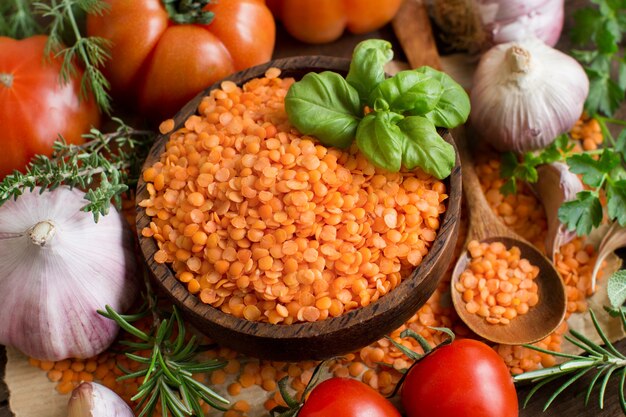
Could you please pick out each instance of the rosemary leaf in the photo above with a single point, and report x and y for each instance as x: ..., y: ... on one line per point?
x: 605, y: 382
x: 563, y: 387
x: 593, y: 383
x: 537, y: 387
x: 622, y: 399
x: 605, y: 339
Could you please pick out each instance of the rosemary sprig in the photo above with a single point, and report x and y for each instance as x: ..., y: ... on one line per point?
x: 108, y: 164
x: 17, y: 20
x: 169, y: 367
x: 92, y: 52
x: 605, y: 361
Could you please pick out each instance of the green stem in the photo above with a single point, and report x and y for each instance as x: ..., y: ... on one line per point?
x: 606, y: 133
x: 611, y: 120
x: 6, y: 79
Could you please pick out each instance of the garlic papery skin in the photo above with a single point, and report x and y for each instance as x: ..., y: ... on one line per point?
x: 556, y: 185
x: 476, y: 25
x: 525, y: 94
x: 90, y: 399
x: 514, y: 20
x: 57, y: 268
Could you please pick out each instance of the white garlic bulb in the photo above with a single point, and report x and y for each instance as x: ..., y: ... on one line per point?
x: 94, y: 400
x: 57, y: 268
x: 525, y: 94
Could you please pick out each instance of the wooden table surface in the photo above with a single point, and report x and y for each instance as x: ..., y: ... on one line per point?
x: 571, y: 402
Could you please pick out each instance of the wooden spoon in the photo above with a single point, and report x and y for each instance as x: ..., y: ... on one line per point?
x: 484, y: 226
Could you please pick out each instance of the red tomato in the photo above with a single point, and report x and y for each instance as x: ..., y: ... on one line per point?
x: 464, y: 379
x: 34, y: 107
x: 321, y: 21
x: 159, y: 65
x: 344, y: 397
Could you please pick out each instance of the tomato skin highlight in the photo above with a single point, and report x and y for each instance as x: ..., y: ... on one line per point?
x: 322, y: 21
x: 157, y: 65
x: 34, y: 107
x: 464, y: 379
x: 345, y: 397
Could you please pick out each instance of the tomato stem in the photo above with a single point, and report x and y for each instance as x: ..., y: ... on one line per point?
x: 189, y: 11
x: 6, y: 79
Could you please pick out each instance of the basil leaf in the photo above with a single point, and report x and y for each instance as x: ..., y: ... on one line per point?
x: 453, y: 106
x: 409, y: 91
x: 424, y: 148
x: 367, y: 66
x: 324, y: 105
x: 380, y: 140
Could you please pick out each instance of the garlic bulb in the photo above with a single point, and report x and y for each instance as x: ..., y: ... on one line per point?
x: 476, y: 25
x: 514, y: 20
x: 94, y: 400
x: 556, y: 185
x: 57, y: 267
x: 525, y: 94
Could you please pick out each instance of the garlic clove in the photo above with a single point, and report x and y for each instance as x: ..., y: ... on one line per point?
x: 57, y: 268
x: 556, y: 185
x: 614, y: 239
x: 90, y: 399
x: 525, y: 94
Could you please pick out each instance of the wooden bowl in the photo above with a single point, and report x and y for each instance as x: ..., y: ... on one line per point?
x: 330, y: 337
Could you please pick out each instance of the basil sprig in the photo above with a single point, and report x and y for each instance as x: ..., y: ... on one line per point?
x: 394, y: 120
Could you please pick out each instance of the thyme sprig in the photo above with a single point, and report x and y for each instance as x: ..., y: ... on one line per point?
x: 169, y: 366
x: 17, y: 20
x: 90, y: 51
x: 108, y: 164
x: 604, y: 361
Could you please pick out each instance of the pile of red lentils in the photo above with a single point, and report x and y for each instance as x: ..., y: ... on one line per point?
x: 498, y: 284
x: 379, y: 364
x: 269, y: 225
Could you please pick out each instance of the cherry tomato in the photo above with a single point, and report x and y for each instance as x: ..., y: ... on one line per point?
x: 344, y: 397
x: 159, y: 65
x: 35, y: 108
x: 464, y: 379
x: 321, y: 21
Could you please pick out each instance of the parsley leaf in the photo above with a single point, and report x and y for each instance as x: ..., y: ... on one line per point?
x: 616, y: 205
x: 582, y: 214
x: 593, y: 171
x: 602, y: 26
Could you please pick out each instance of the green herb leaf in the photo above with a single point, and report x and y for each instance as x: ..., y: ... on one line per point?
x: 593, y: 171
x: 367, y: 66
x: 326, y: 106
x: 582, y: 214
x: 587, y: 23
x: 603, y: 26
x: 409, y: 91
x: 453, y: 106
x: 616, y: 205
x: 381, y: 140
x: 424, y: 148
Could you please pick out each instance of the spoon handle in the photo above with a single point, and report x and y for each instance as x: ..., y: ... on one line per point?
x: 482, y: 221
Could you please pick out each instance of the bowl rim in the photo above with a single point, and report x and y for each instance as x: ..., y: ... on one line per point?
x: 302, y: 330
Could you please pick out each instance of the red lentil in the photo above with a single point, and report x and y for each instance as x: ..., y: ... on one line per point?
x: 246, y: 208
x: 498, y: 284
